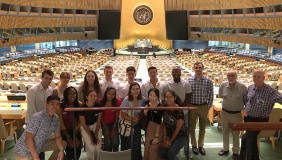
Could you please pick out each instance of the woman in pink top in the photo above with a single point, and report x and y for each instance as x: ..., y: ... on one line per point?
x: 110, y: 119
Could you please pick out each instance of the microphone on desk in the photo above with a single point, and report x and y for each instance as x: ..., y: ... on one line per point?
x: 16, y: 105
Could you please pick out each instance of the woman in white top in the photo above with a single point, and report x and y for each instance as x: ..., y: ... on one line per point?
x: 64, y: 81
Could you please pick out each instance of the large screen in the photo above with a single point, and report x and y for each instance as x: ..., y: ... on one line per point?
x: 109, y: 24
x: 176, y: 25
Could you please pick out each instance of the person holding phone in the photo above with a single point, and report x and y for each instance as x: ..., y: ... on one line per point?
x: 154, y: 129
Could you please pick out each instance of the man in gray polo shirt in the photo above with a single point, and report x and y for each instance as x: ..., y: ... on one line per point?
x: 36, y: 137
x: 233, y: 94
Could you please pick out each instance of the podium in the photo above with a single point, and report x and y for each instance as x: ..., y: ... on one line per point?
x: 143, y: 50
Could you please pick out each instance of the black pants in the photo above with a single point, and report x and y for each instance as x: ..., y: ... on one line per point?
x: 255, y: 154
x: 69, y: 150
x: 125, y: 143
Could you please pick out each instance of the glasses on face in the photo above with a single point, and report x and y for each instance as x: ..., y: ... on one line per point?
x: 72, y: 95
x: 176, y: 73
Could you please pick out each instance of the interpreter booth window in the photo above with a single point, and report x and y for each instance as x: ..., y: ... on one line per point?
x: 213, y: 43
x: 46, y: 45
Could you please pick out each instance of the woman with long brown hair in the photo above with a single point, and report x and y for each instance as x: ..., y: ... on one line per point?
x: 91, y: 82
x: 134, y: 99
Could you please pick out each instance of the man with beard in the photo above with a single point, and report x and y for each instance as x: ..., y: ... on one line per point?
x: 233, y: 94
x: 202, y: 97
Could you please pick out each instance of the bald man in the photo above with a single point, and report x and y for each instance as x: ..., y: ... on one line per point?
x: 233, y: 94
x: 260, y: 100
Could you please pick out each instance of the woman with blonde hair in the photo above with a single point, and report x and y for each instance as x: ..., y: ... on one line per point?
x: 64, y: 81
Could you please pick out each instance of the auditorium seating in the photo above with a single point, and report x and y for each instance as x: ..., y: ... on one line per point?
x: 216, y: 66
x: 22, y: 75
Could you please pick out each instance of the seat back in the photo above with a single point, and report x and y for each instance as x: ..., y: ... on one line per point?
x: 23, y: 87
x: 3, y: 132
x: 121, y: 155
x: 14, y: 87
x: 273, y: 117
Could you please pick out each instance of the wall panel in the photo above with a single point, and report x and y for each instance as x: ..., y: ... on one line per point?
x: 31, y: 22
x: 254, y: 23
x: 69, y: 4
x: 241, y: 39
x: 49, y: 38
x: 216, y: 4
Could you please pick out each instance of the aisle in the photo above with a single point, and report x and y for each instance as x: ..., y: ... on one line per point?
x: 142, y: 70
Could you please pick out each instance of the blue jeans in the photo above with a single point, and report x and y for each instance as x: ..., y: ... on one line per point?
x: 111, y: 145
x: 171, y: 152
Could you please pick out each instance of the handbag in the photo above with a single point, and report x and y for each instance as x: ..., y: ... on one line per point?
x: 124, y: 126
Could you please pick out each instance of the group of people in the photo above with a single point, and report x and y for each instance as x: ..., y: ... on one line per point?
x: 49, y: 125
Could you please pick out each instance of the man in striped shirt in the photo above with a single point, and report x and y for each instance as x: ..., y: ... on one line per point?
x: 260, y: 100
x: 202, y: 97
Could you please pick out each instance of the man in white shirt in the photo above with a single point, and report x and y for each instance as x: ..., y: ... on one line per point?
x: 109, y: 80
x: 123, y: 89
x: 153, y: 82
x: 183, y: 89
x: 37, y: 96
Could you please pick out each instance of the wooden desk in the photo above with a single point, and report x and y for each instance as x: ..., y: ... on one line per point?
x: 3, y: 99
x: 8, y: 112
